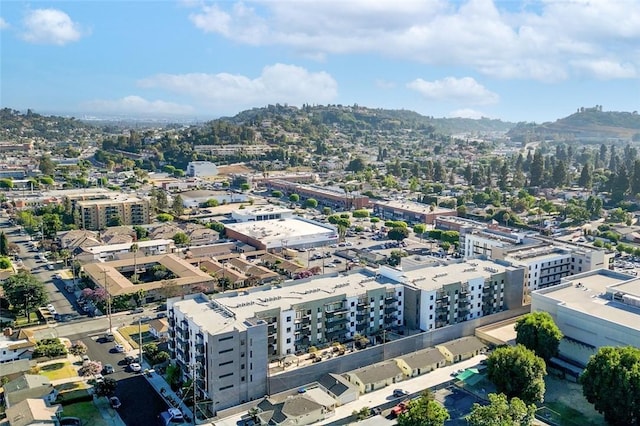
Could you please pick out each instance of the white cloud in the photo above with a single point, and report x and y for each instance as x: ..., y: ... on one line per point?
x: 460, y: 90
x: 137, y: 105
x: 3, y: 24
x: 607, y: 70
x: 541, y: 42
x: 279, y: 83
x: 50, y: 26
x: 466, y: 113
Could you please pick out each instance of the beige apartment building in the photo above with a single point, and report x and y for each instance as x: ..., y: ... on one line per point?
x: 96, y: 214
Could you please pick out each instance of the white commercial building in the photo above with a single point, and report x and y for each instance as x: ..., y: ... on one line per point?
x: 257, y: 213
x: 201, y: 169
x: 112, y: 251
x: 198, y: 197
x: 293, y: 232
x: 593, y: 309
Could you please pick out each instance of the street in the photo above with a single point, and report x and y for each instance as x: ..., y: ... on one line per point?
x: 141, y: 404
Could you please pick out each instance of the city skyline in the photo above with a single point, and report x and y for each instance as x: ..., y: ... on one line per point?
x: 516, y: 61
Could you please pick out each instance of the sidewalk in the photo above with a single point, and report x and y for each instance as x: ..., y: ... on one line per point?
x: 157, y: 382
x: 110, y: 416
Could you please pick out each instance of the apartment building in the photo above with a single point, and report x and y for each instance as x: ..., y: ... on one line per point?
x: 548, y: 261
x: 482, y: 242
x: 231, y: 337
x: 336, y: 198
x: 409, y: 211
x: 257, y: 213
x: 437, y: 295
x: 96, y: 214
x: 201, y: 169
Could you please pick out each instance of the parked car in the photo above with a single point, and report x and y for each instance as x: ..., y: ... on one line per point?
x: 138, y: 310
x: 85, y: 358
x: 399, y: 393
x: 161, y: 315
x: 115, y: 402
x: 129, y: 359
x: 119, y: 348
x: 109, y: 337
x: 108, y: 369
x: 135, y: 367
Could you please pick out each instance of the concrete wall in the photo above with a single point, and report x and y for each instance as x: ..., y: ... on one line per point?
x: 301, y: 376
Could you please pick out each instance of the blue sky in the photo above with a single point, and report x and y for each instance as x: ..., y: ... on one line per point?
x: 517, y: 61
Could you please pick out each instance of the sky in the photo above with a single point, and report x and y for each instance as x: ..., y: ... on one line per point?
x: 530, y: 60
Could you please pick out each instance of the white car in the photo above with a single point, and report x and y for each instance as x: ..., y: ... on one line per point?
x: 135, y: 367
x: 119, y: 348
x: 50, y: 307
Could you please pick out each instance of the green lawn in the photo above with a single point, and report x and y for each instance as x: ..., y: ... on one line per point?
x: 21, y: 320
x: 86, y: 411
x: 58, y: 370
x: 130, y: 333
x: 567, y: 416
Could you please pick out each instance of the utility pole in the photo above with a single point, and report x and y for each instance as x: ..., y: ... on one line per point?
x: 140, y: 338
x: 195, y: 390
x: 106, y: 287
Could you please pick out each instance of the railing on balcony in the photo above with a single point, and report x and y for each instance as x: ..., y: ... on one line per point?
x: 361, y: 327
x: 360, y: 317
x: 390, y: 309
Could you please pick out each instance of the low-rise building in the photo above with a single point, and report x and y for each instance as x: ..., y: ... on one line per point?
x: 421, y: 362
x: 198, y: 197
x: 277, y: 234
x: 376, y: 376
x: 592, y: 309
x: 33, y: 412
x: 336, y: 198
x: 29, y: 386
x: 258, y: 213
x: 409, y: 211
x: 116, y: 251
x: 461, y: 349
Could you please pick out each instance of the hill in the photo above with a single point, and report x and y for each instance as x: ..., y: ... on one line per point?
x: 586, y: 124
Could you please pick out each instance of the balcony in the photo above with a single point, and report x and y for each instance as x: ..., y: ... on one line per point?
x: 390, y: 310
x: 390, y: 299
x: 389, y: 320
x: 335, y: 333
x: 332, y: 322
x: 200, y: 348
x: 361, y: 316
x: 272, y: 328
x: 330, y: 313
x: 361, y: 327
x: 272, y: 339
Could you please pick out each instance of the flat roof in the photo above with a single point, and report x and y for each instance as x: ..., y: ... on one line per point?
x: 245, y: 304
x: 434, y: 277
x: 126, y: 246
x: 281, y: 229
x: 413, y: 207
x: 120, y: 199
x: 587, y: 293
x: 265, y: 208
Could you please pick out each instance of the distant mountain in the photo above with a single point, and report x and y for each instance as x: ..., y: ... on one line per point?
x: 587, y: 124
x: 362, y: 118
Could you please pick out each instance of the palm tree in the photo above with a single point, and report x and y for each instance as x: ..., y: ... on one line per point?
x: 134, y: 249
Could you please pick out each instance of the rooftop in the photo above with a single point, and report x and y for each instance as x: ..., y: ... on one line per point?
x: 591, y: 293
x: 413, y: 207
x: 127, y: 246
x: 105, y: 201
x: 276, y: 230
x: 231, y: 309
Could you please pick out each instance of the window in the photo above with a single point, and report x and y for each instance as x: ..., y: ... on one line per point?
x: 288, y: 339
x: 288, y: 329
x: 289, y: 318
x: 432, y: 297
x: 225, y: 363
x: 222, y: 339
x: 226, y: 387
x: 225, y: 375
x: 241, y: 366
x: 353, y: 304
x: 400, y: 294
x: 431, y: 307
x: 224, y: 351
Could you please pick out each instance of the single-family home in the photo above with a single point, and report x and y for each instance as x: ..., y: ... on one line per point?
x: 376, y: 376
x: 339, y: 388
x: 159, y: 328
x: 29, y: 386
x: 461, y: 349
x: 33, y: 412
x: 294, y: 410
x: 421, y: 362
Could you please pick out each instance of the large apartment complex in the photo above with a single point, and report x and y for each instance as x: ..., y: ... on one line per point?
x: 228, y: 340
x: 97, y: 214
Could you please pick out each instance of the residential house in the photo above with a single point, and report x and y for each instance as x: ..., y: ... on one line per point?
x: 159, y: 328
x: 461, y: 349
x: 15, y: 347
x: 255, y: 273
x: 421, y: 362
x: 33, y: 412
x: 376, y: 376
x: 339, y: 388
x: 78, y: 238
x: 29, y: 386
x: 295, y: 410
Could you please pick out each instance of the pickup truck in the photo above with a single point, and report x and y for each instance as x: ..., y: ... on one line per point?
x: 400, y: 408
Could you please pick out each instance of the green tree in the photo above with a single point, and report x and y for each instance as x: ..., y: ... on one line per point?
x: 361, y: 213
x: 78, y: 348
x: 164, y: 217
x: 419, y: 229
x: 4, y: 244
x: 276, y: 194
x: 212, y: 203
x: 502, y: 412
x: 177, y: 206
x: 356, y: 165
x: 424, y: 411
x: 5, y: 262
x: 47, y: 166
x: 517, y: 372
x: 586, y: 178
x: 311, y: 203
x: 611, y: 382
x: 106, y: 387
x: 538, y: 332
x: 181, y: 239
x: 115, y: 221
x: 537, y: 169
x: 326, y: 211
x: 398, y: 233
x: 245, y: 186
x: 25, y: 292
x: 6, y: 183
x: 294, y: 198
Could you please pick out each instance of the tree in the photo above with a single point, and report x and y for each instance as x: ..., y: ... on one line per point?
x: 537, y: 169
x: 517, y: 372
x: 90, y: 368
x: 78, y: 348
x: 276, y: 194
x: 4, y: 244
x: 177, y: 206
x: 24, y: 291
x: 398, y: 233
x: 245, y: 186
x: 5, y: 262
x: 502, y: 412
x: 611, y: 381
x: 115, y: 221
x: 141, y: 232
x: 356, y: 165
x: 107, y: 387
x: 361, y: 213
x: 424, y: 412
x: 46, y: 166
x: 181, y: 239
x: 419, y: 229
x: 538, y: 332
x: 164, y: 217
x: 294, y: 198
x: 586, y: 179
x: 311, y: 203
